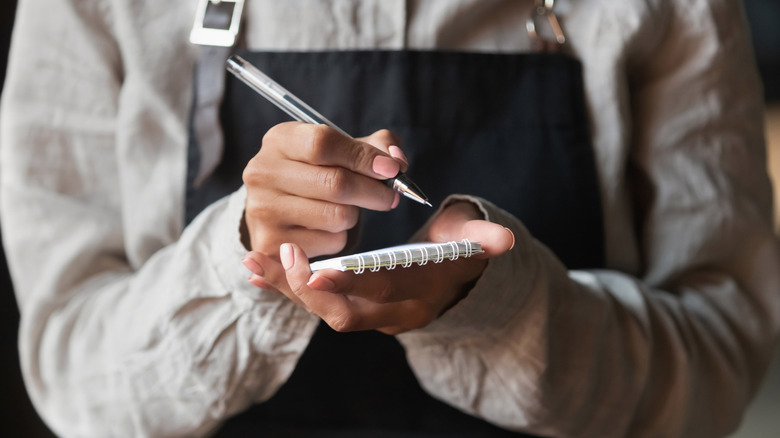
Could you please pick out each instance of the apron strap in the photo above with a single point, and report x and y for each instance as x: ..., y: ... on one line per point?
x: 216, y: 30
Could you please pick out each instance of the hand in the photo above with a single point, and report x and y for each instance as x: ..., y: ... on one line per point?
x: 389, y: 301
x: 307, y: 182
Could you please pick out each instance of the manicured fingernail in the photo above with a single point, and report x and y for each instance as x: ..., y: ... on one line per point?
x: 253, y: 266
x: 386, y: 166
x: 513, y: 237
x: 396, y: 200
x: 398, y: 154
x: 318, y: 282
x: 287, y: 255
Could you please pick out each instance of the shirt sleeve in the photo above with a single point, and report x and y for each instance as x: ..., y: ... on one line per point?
x: 170, y: 347
x: 678, y: 351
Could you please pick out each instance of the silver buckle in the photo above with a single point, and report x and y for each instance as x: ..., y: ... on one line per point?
x: 211, y: 36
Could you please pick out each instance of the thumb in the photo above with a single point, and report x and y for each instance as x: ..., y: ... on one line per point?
x: 494, y: 238
x: 463, y: 220
x: 296, y: 267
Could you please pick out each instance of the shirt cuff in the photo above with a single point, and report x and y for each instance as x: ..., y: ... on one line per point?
x: 500, y: 295
x: 283, y: 322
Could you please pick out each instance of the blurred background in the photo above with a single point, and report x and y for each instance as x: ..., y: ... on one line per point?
x: 17, y: 417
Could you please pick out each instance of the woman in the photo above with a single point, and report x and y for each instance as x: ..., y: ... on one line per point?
x: 638, y: 296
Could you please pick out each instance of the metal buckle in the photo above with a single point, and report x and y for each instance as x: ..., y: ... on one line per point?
x: 544, y: 8
x: 214, y: 11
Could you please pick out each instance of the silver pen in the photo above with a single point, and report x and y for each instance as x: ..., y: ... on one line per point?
x: 302, y: 112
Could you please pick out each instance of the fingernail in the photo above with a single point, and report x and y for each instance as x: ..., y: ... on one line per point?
x: 253, y: 266
x: 318, y: 282
x: 386, y: 166
x: 287, y: 255
x: 513, y: 237
x: 396, y: 200
x: 397, y: 153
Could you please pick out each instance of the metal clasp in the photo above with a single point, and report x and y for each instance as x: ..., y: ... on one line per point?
x: 544, y: 9
x: 217, y: 22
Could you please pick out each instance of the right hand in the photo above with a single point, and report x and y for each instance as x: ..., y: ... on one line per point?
x: 307, y: 183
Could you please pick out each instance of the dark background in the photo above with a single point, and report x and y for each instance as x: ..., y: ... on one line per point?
x: 17, y: 417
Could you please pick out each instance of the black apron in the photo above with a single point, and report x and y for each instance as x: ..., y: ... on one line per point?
x: 509, y: 128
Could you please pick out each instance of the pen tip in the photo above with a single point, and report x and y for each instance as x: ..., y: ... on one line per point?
x: 428, y: 204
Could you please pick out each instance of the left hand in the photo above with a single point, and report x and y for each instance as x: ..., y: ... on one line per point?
x: 389, y: 301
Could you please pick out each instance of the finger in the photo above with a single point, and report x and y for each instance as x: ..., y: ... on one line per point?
x: 296, y: 276
x: 314, y: 242
x: 448, y: 225
x: 252, y: 262
x: 387, y: 141
x: 462, y: 220
x: 312, y: 214
x: 336, y: 185
x: 328, y: 183
x: 379, y: 287
x: 382, y: 139
x: 397, y: 153
x: 259, y: 282
x: 324, y: 146
x: 272, y: 277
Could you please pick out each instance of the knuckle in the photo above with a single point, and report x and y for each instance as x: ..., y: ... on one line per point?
x: 274, y: 136
x: 385, y: 136
x: 297, y: 289
x: 344, y: 321
x: 264, y: 245
x: 336, y: 182
x: 363, y: 157
x: 344, y: 217
x: 255, y: 210
x: 257, y: 207
x: 251, y: 173
x: 318, y: 146
x: 256, y: 174
x: 262, y: 226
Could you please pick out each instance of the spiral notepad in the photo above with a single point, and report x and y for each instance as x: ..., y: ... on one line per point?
x: 403, y: 256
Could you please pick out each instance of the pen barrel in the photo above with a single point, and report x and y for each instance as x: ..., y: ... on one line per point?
x: 276, y: 94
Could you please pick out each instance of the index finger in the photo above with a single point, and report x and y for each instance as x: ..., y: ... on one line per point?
x: 322, y: 145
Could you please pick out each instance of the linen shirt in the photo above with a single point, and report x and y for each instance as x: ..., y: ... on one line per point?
x: 135, y: 325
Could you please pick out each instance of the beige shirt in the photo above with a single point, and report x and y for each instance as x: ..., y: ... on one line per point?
x: 133, y: 325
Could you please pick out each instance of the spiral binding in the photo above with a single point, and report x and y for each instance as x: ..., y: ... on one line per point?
x: 391, y: 258
x: 408, y: 260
